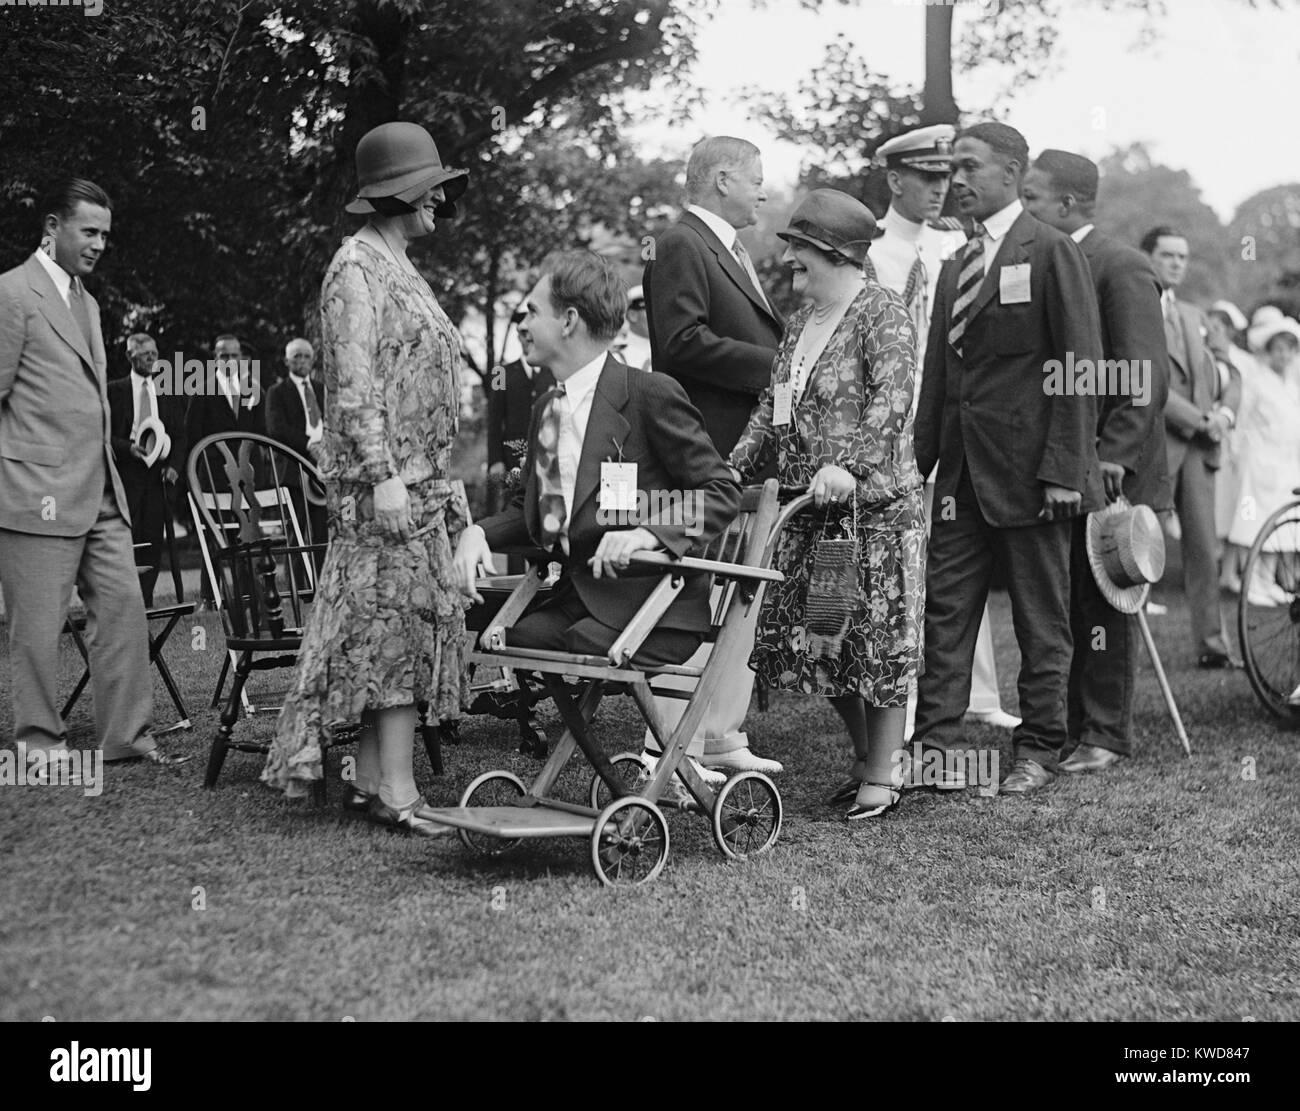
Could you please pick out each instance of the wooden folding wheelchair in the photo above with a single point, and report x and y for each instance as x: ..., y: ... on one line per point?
x: 624, y: 822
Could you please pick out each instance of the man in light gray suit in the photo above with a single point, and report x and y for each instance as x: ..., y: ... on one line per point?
x: 63, y: 514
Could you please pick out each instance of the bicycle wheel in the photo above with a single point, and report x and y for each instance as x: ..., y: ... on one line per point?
x: 1268, y: 615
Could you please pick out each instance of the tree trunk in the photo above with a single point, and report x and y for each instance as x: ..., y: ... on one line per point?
x: 938, y: 105
x: 490, y: 316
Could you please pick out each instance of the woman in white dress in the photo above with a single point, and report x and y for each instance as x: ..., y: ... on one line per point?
x: 1268, y: 439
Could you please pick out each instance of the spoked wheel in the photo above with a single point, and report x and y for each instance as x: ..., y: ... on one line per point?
x: 746, y: 815
x: 630, y: 770
x: 1268, y: 615
x: 491, y: 789
x: 629, y: 845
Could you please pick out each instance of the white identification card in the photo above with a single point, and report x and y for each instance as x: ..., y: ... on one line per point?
x: 782, y: 403
x: 1014, y: 286
x: 618, y: 487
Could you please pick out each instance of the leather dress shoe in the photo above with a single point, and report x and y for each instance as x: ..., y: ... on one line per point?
x: 1089, y: 758
x: 1025, y: 777
x: 1217, y: 661
x: 416, y: 818
x: 356, y: 800
x: 154, y: 756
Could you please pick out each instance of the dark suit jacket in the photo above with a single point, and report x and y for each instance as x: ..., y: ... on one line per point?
x: 989, y: 409
x: 171, y: 411
x: 510, y: 402
x: 709, y: 329
x: 1194, y: 390
x: 208, y: 415
x: 649, y: 418
x: 285, y: 419
x: 1132, y: 329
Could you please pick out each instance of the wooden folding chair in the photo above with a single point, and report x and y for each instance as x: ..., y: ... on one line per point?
x: 624, y: 822
x: 170, y: 614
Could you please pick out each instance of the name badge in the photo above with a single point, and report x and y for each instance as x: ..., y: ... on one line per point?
x: 1013, y: 288
x: 618, y: 487
x: 782, y: 403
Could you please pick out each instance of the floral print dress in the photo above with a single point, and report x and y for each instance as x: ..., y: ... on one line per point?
x: 387, y: 627
x: 855, y: 413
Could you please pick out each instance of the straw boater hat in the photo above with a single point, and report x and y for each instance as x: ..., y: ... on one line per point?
x: 401, y: 160
x: 1126, y: 551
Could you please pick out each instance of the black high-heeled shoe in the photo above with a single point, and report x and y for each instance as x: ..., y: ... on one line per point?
x: 857, y: 813
x: 845, y: 792
x: 416, y: 818
x: 356, y: 800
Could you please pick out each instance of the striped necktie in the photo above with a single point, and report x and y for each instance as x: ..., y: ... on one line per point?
x: 551, y: 510
x: 968, y: 284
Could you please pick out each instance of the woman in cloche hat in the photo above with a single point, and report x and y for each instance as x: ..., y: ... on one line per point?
x: 846, y: 622
x: 387, y: 628
x: 1268, y: 445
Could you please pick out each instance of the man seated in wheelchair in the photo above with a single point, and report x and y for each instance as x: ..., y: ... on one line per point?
x: 618, y: 462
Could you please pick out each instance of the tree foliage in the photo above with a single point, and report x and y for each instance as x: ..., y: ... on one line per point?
x: 224, y: 130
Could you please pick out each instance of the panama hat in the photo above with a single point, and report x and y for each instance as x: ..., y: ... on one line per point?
x: 1126, y: 551
x: 153, y: 440
x: 835, y: 222
x: 401, y: 160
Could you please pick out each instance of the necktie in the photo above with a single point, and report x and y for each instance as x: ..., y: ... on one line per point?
x: 915, y: 280
x: 309, y: 401
x: 80, y: 313
x: 968, y: 284
x: 551, y: 510
x: 742, y: 256
x: 142, y: 411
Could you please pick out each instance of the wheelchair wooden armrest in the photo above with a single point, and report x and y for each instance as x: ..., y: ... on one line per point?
x: 694, y: 565
x: 493, y: 638
x: 652, y: 610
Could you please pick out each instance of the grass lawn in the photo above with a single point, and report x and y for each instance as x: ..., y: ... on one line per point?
x: 1165, y: 890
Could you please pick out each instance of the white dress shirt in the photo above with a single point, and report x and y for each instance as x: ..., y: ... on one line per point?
x: 61, y: 278
x: 996, y: 228
x: 715, y: 224
x: 574, y: 409
x: 1080, y: 234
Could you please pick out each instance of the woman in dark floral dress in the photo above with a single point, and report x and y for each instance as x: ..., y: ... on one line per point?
x: 837, y: 418
x: 387, y: 628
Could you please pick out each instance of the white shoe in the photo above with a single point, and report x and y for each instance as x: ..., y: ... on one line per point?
x: 710, y: 778
x: 741, y: 760
x: 998, y: 718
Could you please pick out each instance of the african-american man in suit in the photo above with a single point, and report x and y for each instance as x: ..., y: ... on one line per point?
x: 1016, y: 460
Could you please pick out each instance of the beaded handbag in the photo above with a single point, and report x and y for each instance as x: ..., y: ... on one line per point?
x: 832, y: 596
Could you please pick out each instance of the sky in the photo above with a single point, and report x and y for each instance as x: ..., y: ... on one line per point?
x: 1218, y: 93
